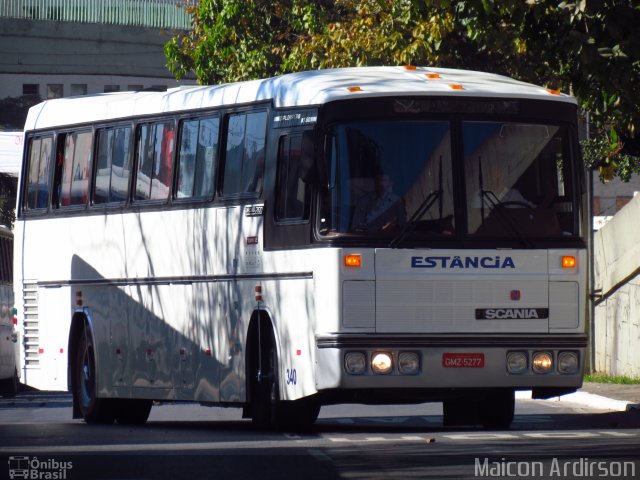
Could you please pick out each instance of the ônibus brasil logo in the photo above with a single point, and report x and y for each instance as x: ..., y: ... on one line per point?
x: 36, y: 469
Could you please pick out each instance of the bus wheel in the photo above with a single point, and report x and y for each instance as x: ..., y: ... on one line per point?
x: 265, y: 397
x: 9, y: 387
x: 267, y: 409
x: 459, y: 411
x: 92, y: 408
x: 299, y: 414
x: 15, y: 384
x: 132, y: 411
x: 496, y: 409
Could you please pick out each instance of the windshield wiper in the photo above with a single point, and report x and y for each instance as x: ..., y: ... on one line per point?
x: 422, y: 209
x: 496, y: 206
x: 413, y: 221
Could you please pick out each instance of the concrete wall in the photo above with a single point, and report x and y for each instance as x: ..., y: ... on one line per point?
x: 617, y: 277
x: 53, y: 52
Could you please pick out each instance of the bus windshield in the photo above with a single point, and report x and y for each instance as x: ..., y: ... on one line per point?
x: 399, y: 180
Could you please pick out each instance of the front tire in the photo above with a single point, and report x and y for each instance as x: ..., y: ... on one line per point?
x: 267, y: 409
x: 497, y: 410
x: 265, y: 396
x: 493, y: 410
x: 93, y: 409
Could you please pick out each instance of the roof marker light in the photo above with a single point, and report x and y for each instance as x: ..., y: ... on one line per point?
x: 554, y: 92
x: 409, y: 67
x: 354, y: 89
x: 456, y: 86
x: 569, y: 261
x: 432, y: 76
x: 353, y: 260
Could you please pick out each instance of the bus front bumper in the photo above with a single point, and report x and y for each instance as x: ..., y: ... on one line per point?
x: 519, y: 362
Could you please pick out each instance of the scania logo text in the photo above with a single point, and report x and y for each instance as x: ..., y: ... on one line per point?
x: 511, y: 313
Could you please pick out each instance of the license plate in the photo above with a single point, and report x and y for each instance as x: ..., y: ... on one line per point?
x: 463, y: 360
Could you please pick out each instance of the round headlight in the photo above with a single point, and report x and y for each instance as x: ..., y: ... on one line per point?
x: 355, y: 363
x: 568, y: 363
x: 408, y: 363
x: 381, y: 362
x: 517, y: 362
x: 542, y: 362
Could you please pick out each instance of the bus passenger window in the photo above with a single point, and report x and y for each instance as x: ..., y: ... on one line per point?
x: 38, y: 175
x: 71, y: 176
x: 155, y: 155
x: 197, y: 158
x: 112, y: 171
x: 244, y: 159
x: 76, y: 178
x: 292, y: 193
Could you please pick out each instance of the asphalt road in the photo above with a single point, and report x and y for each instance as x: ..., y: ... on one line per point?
x: 38, y: 439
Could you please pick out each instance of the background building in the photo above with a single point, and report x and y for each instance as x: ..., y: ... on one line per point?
x: 60, y: 48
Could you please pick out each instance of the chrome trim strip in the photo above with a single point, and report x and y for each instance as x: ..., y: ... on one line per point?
x: 176, y: 280
x: 452, y: 341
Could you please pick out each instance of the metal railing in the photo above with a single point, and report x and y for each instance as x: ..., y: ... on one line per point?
x: 170, y: 14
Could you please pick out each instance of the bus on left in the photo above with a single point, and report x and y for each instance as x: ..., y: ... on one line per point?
x: 9, y: 372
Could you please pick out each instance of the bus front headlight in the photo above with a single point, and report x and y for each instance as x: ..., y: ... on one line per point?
x: 408, y: 363
x: 381, y: 363
x: 542, y: 362
x: 517, y: 362
x: 568, y: 363
x: 355, y: 363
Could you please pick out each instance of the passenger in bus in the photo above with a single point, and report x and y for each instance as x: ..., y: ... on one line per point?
x: 380, y: 210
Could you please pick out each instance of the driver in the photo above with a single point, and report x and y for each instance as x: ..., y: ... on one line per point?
x: 380, y: 210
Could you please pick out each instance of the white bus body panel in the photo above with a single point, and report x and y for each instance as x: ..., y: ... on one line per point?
x: 170, y: 299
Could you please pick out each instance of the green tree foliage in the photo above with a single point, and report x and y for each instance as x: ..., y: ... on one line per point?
x: 13, y: 111
x: 588, y: 48
x: 8, y: 191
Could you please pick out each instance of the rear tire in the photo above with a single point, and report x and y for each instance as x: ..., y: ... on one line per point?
x: 93, y: 409
x: 132, y: 411
x: 9, y: 387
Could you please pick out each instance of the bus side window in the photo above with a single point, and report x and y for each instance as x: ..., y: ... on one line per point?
x: 6, y: 255
x: 112, y: 170
x: 197, y: 158
x: 71, y: 175
x: 4, y: 271
x: 155, y: 156
x: 37, y: 186
x: 292, y: 192
x: 244, y: 160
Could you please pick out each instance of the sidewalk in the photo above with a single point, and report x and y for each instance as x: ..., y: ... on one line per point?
x: 603, y: 396
x: 620, y: 393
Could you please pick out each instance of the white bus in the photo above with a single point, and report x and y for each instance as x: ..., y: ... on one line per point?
x: 370, y: 235
x: 9, y: 362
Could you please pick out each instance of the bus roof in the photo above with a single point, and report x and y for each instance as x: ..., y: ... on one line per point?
x: 314, y: 87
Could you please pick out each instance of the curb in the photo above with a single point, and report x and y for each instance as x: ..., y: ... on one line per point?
x: 587, y: 399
